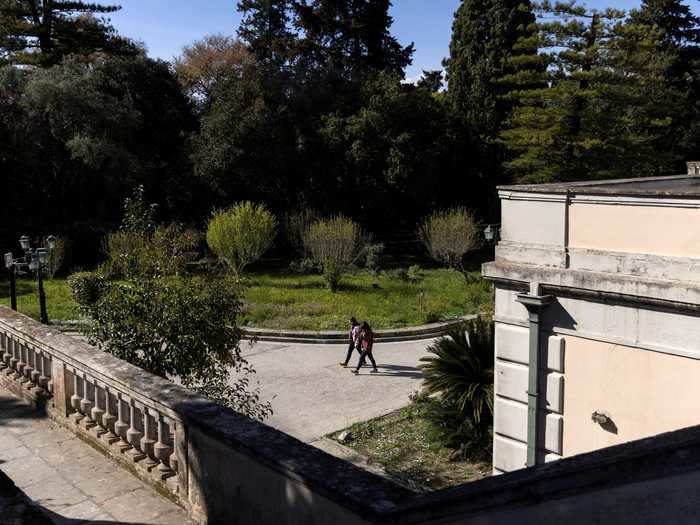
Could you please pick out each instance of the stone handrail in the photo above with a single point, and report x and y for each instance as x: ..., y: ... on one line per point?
x: 218, y: 464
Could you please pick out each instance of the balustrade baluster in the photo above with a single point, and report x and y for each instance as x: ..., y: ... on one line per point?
x: 75, y: 398
x: 86, y: 404
x: 108, y: 419
x: 44, y: 380
x: 28, y: 369
x: 7, y: 355
x: 96, y: 412
x: 3, y: 350
x: 34, y: 376
x: 161, y: 450
x: 172, y: 460
x: 147, y: 441
x: 120, y: 427
x: 133, y: 435
x: 19, y: 362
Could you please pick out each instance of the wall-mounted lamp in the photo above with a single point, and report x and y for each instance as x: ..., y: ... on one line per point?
x: 600, y: 417
x: 491, y: 232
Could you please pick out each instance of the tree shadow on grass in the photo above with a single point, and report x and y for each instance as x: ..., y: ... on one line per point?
x: 23, y: 288
x: 342, y: 287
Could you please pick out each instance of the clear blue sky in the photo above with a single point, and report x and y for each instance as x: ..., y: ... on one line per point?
x: 167, y: 25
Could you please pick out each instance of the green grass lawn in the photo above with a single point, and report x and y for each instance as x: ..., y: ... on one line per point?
x: 402, y: 443
x: 59, y: 303
x: 302, y: 302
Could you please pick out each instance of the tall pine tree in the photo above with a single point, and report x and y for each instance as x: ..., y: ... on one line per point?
x: 350, y: 39
x: 592, y: 103
x: 265, y: 28
x: 42, y: 32
x: 678, y: 36
x: 484, y: 34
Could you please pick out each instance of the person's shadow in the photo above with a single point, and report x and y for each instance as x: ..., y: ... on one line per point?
x: 397, y: 371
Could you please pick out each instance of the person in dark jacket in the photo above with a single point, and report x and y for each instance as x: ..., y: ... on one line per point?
x: 353, y: 340
x: 366, y: 344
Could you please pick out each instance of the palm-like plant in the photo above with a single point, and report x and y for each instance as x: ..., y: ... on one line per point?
x: 461, y: 370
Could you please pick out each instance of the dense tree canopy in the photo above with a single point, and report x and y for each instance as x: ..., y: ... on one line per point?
x: 81, y: 135
x: 307, y: 106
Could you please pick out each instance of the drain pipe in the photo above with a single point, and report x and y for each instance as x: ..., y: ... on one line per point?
x: 535, y: 303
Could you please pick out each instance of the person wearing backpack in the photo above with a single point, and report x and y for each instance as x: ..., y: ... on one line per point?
x: 366, y: 344
x: 353, y: 340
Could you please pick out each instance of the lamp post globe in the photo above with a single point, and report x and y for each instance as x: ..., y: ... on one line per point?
x: 25, y: 243
x: 51, y: 242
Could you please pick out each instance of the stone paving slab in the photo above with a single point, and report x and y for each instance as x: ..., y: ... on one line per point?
x: 67, y: 479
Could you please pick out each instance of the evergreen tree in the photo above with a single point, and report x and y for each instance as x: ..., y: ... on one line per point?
x: 265, y: 28
x: 350, y: 39
x: 678, y: 36
x: 431, y: 80
x: 678, y: 26
x: 484, y: 34
x: 592, y: 103
x: 42, y: 32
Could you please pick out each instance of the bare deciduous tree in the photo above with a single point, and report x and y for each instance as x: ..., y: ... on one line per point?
x: 448, y: 235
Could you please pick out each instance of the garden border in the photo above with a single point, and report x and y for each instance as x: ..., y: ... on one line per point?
x: 389, y: 335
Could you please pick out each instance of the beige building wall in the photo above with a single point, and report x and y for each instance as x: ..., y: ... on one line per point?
x: 644, y: 393
x: 655, y: 230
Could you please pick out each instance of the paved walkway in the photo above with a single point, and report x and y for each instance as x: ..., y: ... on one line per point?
x: 312, y: 395
x: 68, y: 479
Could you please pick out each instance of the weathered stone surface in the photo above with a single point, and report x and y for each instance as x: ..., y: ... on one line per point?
x: 60, y: 479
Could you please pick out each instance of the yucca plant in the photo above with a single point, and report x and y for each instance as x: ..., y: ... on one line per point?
x: 461, y: 371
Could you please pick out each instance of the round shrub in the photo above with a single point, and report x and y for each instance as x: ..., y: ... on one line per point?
x: 240, y: 235
x: 448, y: 235
x: 334, y: 244
x: 87, y: 287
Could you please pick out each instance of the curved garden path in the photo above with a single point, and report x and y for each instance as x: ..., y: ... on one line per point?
x: 312, y: 395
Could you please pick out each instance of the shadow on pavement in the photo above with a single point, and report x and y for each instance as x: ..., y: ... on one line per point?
x: 17, y: 509
x: 394, y: 371
x: 12, y: 408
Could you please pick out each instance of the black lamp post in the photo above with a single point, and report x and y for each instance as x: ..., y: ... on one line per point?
x: 11, y: 268
x: 37, y: 259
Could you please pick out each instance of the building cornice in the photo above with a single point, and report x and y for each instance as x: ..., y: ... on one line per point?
x: 674, y: 296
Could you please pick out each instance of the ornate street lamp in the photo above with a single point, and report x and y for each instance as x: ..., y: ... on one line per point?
x: 37, y: 259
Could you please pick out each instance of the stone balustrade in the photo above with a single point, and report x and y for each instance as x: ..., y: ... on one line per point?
x: 219, y: 465
x: 123, y: 422
x: 226, y: 468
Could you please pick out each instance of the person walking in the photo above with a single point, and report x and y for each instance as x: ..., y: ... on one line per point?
x: 353, y: 340
x: 366, y: 344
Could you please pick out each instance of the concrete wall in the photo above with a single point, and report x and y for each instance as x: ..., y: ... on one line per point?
x: 510, y: 406
x: 622, y: 335
x: 541, y: 222
x: 656, y: 230
x: 644, y: 393
x: 640, y: 366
